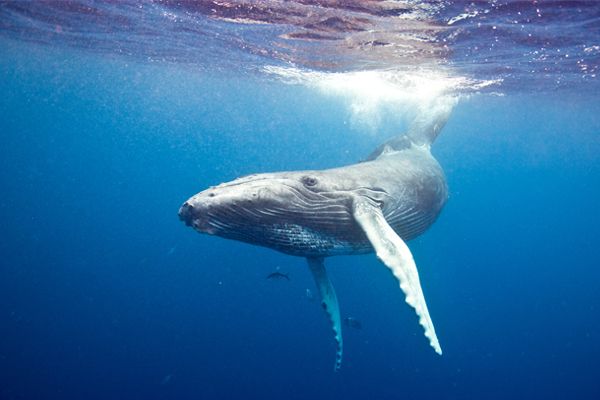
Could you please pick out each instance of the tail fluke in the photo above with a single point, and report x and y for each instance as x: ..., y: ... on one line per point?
x: 423, y: 130
x: 430, y: 120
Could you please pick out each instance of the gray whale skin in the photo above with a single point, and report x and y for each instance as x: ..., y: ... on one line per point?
x: 372, y: 206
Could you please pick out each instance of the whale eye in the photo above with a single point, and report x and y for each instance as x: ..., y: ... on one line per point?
x: 309, y: 181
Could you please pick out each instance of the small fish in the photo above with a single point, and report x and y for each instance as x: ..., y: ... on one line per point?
x: 352, y: 323
x: 278, y: 276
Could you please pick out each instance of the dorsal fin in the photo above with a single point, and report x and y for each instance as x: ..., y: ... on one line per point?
x: 423, y: 130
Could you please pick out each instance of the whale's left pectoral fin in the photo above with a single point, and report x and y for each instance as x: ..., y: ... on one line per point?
x: 396, y: 255
x: 329, y: 303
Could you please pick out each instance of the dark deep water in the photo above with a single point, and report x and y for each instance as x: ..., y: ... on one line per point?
x: 105, y: 294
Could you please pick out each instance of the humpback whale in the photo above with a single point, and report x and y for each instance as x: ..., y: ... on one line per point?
x: 375, y: 205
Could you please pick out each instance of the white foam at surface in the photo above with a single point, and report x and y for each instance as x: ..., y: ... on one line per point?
x: 370, y: 94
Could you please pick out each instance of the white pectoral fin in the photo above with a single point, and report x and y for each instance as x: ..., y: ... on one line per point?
x: 329, y: 303
x: 396, y: 255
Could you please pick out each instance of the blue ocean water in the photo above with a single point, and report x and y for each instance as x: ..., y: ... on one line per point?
x: 105, y: 294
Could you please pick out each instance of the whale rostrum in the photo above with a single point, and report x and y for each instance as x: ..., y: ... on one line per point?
x: 375, y: 205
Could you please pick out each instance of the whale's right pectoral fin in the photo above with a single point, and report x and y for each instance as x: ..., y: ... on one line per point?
x: 396, y: 255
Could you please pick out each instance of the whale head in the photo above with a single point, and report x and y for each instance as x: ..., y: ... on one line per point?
x: 301, y: 213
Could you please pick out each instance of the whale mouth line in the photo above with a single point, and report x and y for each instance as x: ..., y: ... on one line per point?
x: 202, y: 227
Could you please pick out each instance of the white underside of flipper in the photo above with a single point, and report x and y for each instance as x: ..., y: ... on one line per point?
x: 396, y: 255
x: 329, y: 303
